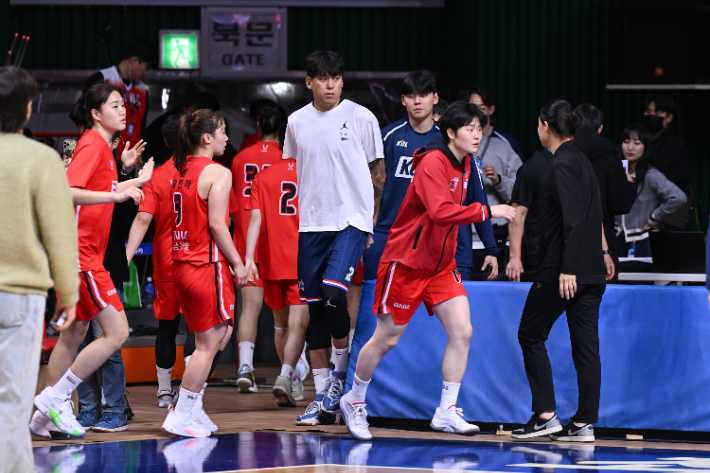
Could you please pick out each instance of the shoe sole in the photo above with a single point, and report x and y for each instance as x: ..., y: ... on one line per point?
x: 69, y: 436
x: 182, y: 435
x: 56, y: 435
x: 575, y: 438
x: 307, y: 424
x: 117, y: 429
x: 541, y: 433
x: 245, y: 386
x: 472, y: 431
x: 284, y: 399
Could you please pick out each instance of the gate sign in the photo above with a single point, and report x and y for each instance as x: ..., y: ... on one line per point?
x: 243, y: 42
x: 179, y: 49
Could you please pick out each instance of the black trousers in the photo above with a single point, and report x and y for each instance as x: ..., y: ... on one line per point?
x: 542, y: 308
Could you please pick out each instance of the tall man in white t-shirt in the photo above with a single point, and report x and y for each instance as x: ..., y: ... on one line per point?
x: 338, y: 150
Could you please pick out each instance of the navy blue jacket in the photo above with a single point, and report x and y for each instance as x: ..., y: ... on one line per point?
x: 464, y: 250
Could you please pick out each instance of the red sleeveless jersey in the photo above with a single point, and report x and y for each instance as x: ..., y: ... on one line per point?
x: 158, y: 202
x: 192, y: 239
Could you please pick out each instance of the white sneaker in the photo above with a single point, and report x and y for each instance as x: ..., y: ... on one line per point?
x: 282, y: 392
x: 311, y: 416
x: 166, y: 398
x: 183, y: 426
x: 355, y: 418
x: 451, y: 420
x: 61, y: 412
x: 202, y: 419
x: 40, y: 424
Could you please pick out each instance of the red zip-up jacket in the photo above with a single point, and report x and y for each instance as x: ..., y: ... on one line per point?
x: 424, y: 234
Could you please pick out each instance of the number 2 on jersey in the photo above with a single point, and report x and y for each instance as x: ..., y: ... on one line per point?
x: 288, y: 194
x: 250, y: 172
x: 177, y: 208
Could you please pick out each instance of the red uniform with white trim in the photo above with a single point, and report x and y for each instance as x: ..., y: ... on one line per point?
x: 201, y: 273
x: 275, y: 193
x: 418, y: 261
x: 158, y: 203
x: 245, y: 167
x: 94, y: 168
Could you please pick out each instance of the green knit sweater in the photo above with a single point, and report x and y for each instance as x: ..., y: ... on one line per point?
x: 38, y: 242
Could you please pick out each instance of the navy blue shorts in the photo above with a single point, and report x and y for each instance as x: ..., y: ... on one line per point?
x: 328, y: 258
x: 371, y: 256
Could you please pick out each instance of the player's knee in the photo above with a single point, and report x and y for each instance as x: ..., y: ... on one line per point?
x: 336, y: 309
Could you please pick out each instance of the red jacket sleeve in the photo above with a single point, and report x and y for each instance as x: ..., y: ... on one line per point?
x: 432, y: 187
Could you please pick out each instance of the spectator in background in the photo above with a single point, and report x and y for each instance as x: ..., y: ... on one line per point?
x: 38, y: 250
x: 483, y: 98
x: 153, y: 135
x: 657, y: 199
x: 254, y: 112
x: 616, y: 192
x: 439, y: 108
x: 526, y: 230
x: 499, y: 164
x: 668, y: 152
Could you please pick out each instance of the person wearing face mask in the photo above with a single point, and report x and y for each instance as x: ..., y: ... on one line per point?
x: 668, y: 152
x: 658, y: 198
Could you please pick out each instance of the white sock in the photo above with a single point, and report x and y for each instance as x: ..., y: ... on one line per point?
x: 186, y: 402
x: 198, y: 403
x: 319, y: 377
x: 332, y: 355
x: 341, y: 359
x: 359, y: 389
x: 164, y: 378
x: 286, y: 370
x: 246, y: 354
x: 449, y: 394
x: 65, y: 386
x: 187, y: 360
x: 350, y: 340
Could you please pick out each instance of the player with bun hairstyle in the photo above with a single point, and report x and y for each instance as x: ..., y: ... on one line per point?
x: 203, y: 252
x: 571, y: 277
x: 93, y: 180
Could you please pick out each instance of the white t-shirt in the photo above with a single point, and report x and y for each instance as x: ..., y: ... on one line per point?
x: 332, y: 151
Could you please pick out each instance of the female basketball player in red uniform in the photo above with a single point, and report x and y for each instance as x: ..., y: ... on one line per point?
x: 95, y: 189
x: 202, y: 254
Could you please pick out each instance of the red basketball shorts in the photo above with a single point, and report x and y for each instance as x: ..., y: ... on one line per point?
x: 165, y: 305
x: 280, y: 293
x: 400, y: 289
x: 205, y: 294
x: 358, y: 276
x: 96, y: 292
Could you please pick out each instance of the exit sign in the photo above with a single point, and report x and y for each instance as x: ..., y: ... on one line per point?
x: 179, y: 49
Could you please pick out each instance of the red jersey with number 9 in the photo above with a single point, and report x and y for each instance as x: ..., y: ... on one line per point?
x: 93, y: 168
x: 275, y: 193
x: 245, y: 167
x: 192, y: 239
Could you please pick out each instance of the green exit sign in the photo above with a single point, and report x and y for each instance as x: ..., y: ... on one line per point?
x: 179, y: 49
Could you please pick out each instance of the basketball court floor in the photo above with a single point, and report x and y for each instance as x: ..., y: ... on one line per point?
x: 256, y: 435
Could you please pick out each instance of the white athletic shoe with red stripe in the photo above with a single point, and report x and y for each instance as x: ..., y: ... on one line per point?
x: 355, y: 417
x: 183, y: 426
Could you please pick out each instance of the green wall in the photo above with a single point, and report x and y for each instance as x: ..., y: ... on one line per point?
x: 527, y: 51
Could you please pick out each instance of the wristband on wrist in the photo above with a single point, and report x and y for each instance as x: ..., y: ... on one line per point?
x: 606, y: 252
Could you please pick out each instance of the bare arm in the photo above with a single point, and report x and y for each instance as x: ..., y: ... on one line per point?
x: 608, y: 261
x: 377, y: 172
x: 86, y: 197
x: 135, y: 237
x: 217, y: 206
x: 515, y: 238
x: 252, y: 238
x: 140, y: 181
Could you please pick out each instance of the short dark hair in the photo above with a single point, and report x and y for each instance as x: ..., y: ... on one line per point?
x: 141, y: 48
x: 322, y: 62
x: 169, y: 129
x: 591, y: 116
x: 440, y: 106
x: 271, y: 119
x: 17, y: 89
x: 259, y: 104
x: 458, y: 115
x: 203, y: 100
x: 485, y: 92
x: 419, y: 82
x: 94, y: 97
x: 662, y: 101
x: 560, y: 117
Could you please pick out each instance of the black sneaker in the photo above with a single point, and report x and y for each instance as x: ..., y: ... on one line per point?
x: 537, y: 427
x: 572, y: 433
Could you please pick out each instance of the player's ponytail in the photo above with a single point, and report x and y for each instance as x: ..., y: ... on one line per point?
x: 94, y: 97
x: 189, y: 133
